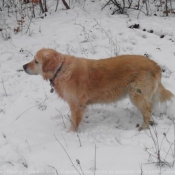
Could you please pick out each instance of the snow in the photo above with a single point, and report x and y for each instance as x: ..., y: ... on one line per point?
x: 32, y: 119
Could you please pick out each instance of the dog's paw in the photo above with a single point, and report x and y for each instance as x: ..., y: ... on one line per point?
x: 152, y: 123
x: 143, y: 127
x: 73, y: 128
x: 146, y: 126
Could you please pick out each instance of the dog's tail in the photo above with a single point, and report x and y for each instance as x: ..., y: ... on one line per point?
x: 163, y: 95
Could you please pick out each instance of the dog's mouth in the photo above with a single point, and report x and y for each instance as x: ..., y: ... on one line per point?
x: 28, y: 71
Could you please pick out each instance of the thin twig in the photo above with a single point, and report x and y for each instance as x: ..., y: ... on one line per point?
x: 117, y: 49
x: 4, y: 87
x: 28, y: 144
x: 117, y: 141
x: 168, y: 151
x: 173, y: 121
x: 95, y: 163
x: 67, y: 154
x: 32, y: 107
x: 61, y: 117
x: 78, y: 162
x: 53, y: 168
x: 28, y: 28
x: 174, y: 143
x: 57, y: 5
x: 64, y: 138
x: 75, y: 131
x: 141, y: 170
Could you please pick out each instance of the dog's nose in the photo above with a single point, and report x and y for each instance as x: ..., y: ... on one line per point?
x: 25, y: 67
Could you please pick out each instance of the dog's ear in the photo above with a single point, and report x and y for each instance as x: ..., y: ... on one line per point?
x: 53, y: 63
x: 49, y: 65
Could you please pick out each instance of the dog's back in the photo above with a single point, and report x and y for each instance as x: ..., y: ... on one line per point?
x: 113, y: 78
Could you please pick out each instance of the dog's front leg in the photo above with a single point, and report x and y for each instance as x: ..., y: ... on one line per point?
x: 76, y: 115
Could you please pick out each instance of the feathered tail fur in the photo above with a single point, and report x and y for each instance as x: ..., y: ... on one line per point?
x: 163, y: 95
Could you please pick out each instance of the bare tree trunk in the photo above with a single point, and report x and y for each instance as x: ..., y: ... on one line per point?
x: 41, y: 6
x: 147, y: 10
x: 130, y: 3
x: 171, y: 5
x: 123, y: 7
x: 45, y: 6
x: 66, y: 5
x: 166, y: 7
x: 57, y: 5
x: 33, y: 9
x: 26, y: 1
x: 138, y: 6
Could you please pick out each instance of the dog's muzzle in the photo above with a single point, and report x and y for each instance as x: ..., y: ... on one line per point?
x: 27, y: 70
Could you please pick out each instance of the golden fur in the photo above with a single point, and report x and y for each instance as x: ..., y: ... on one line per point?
x: 81, y: 81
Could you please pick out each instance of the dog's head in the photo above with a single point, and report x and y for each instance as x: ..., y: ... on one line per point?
x: 45, y: 63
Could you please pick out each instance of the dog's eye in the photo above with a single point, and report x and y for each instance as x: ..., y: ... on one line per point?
x: 36, y: 62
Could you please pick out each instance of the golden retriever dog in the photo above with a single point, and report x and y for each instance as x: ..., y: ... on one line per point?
x: 81, y: 82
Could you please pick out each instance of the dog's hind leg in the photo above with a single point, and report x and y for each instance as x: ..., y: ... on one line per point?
x: 144, y: 105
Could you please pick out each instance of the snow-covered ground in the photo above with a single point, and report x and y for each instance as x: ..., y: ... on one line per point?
x: 34, y: 125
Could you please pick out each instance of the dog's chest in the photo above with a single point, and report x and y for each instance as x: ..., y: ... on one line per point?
x: 65, y: 92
